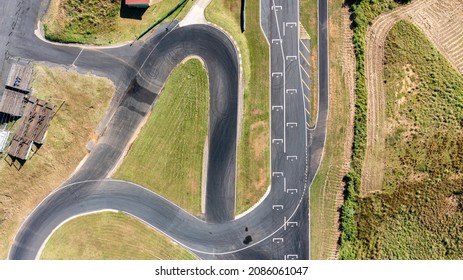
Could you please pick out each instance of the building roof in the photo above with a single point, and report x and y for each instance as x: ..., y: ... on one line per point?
x: 12, y: 102
x: 137, y: 2
x: 34, y: 125
x: 20, y: 148
x: 20, y: 77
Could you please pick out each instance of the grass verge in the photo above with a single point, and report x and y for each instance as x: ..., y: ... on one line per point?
x: 326, y: 189
x: 420, y: 214
x: 254, y: 144
x: 102, y: 22
x: 86, y: 100
x: 111, y: 236
x: 167, y: 156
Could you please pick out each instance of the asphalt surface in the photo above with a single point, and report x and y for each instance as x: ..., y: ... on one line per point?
x: 278, y: 228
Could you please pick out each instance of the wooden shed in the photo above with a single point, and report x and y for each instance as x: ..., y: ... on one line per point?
x: 138, y: 3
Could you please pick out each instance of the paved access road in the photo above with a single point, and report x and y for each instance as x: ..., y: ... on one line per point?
x: 278, y: 227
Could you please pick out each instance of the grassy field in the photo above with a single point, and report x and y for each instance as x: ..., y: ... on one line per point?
x: 327, y: 186
x: 420, y: 214
x: 254, y: 146
x: 309, y: 18
x: 103, y: 21
x: 86, y: 100
x: 111, y: 236
x: 363, y: 13
x: 167, y: 156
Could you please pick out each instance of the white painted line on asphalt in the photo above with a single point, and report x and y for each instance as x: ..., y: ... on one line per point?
x: 291, y: 57
x: 290, y: 224
x: 291, y: 191
x: 278, y: 240
x: 293, y: 224
x: 276, y: 41
x: 291, y: 24
x: 307, y: 48
x: 307, y: 98
x: 277, y: 174
x: 304, y: 58
x: 75, y: 60
x: 306, y: 86
x: 284, y: 77
x: 291, y: 158
x: 305, y: 72
x: 277, y: 207
x: 291, y: 257
x: 291, y: 124
x: 291, y: 91
x: 276, y: 8
x: 277, y: 141
x: 277, y: 108
x: 277, y: 74
x: 306, y: 111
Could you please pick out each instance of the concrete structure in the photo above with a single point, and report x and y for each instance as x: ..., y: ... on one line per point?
x: 138, y: 3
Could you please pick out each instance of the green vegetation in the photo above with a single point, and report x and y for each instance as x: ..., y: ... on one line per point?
x: 364, y: 12
x: 180, y: 5
x: 110, y: 236
x: 420, y: 214
x: 254, y: 145
x: 87, y: 98
x: 167, y: 156
x: 324, y: 192
x: 103, y: 21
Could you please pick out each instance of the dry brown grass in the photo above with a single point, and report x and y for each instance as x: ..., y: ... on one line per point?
x: 86, y: 100
x: 326, y: 190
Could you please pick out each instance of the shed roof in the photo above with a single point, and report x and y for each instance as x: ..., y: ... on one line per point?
x: 137, y: 2
x: 12, y: 102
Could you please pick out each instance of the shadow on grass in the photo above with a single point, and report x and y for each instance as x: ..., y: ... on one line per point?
x: 132, y: 13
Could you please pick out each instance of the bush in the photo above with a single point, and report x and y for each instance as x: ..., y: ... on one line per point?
x: 363, y: 12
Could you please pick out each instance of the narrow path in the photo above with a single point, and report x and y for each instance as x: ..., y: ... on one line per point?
x: 196, y: 13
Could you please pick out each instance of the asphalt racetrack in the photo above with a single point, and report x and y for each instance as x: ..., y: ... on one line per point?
x: 277, y: 228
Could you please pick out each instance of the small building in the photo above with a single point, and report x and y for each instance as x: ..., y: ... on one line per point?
x: 138, y: 3
x: 33, y: 128
x: 12, y: 102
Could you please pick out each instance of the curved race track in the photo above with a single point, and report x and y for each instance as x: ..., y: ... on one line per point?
x: 221, y: 64
x: 277, y: 228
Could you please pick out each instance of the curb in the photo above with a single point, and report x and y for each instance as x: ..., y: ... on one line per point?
x: 237, y: 48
